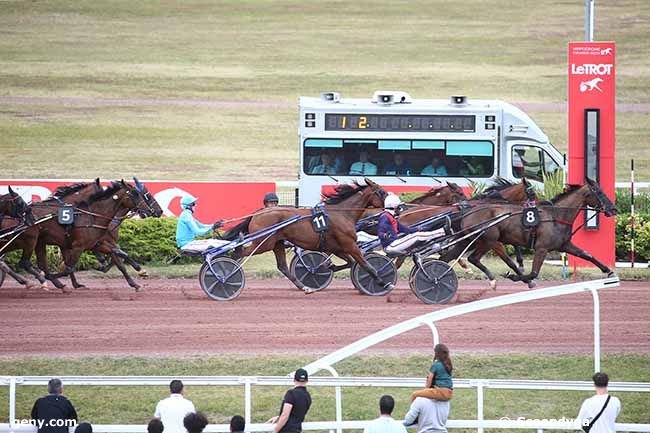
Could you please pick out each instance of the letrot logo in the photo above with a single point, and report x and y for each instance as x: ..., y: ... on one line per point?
x: 606, y: 51
x: 591, y: 85
x: 166, y: 196
x: 591, y: 69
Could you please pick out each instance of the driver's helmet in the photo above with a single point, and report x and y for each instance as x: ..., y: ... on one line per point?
x: 271, y: 196
x: 188, y: 201
x: 392, y: 201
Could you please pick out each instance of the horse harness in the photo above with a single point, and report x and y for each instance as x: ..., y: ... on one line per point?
x: 320, y: 222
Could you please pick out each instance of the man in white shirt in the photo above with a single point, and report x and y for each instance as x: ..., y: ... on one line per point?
x: 430, y: 415
x: 173, y: 409
x: 385, y: 423
x: 592, y: 406
x: 363, y: 167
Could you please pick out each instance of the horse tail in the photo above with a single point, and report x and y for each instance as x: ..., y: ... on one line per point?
x: 242, y: 227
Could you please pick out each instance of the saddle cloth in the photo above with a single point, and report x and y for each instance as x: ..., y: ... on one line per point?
x: 365, y: 237
x: 200, y: 245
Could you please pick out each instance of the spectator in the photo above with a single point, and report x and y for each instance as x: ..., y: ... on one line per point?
x: 326, y: 165
x: 271, y: 199
x: 52, y: 408
x: 154, y: 426
x: 398, y: 167
x: 295, y: 406
x: 429, y: 415
x: 84, y: 427
x: 237, y: 424
x: 439, y: 384
x: 435, y: 168
x: 195, y: 422
x: 385, y: 423
x: 600, y: 411
x: 172, y: 410
x: 363, y: 167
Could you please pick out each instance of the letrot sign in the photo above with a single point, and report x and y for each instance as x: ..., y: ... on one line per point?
x: 592, y: 123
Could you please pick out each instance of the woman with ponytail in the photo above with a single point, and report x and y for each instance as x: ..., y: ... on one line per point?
x: 439, y: 384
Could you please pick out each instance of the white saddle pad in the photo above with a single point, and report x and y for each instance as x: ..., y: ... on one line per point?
x: 365, y: 237
x: 200, y: 245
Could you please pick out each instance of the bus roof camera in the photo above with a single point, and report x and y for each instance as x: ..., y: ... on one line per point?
x: 459, y: 100
x: 331, y: 96
x: 389, y: 97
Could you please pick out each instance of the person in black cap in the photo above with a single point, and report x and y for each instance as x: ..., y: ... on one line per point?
x: 154, y: 426
x: 271, y: 199
x: 52, y: 409
x: 237, y: 424
x: 295, y: 406
x: 84, y: 427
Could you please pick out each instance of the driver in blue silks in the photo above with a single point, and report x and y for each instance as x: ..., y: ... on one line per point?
x: 189, y: 227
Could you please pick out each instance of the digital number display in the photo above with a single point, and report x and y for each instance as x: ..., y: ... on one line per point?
x: 400, y: 122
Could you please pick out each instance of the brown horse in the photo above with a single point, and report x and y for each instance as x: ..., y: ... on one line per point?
x: 15, y: 215
x: 553, y: 233
x: 344, y: 207
x: 91, y: 222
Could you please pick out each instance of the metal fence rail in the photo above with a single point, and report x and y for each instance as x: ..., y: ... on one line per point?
x: 13, y: 382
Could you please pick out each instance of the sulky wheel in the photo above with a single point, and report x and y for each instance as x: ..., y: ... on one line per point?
x: 365, y: 283
x: 224, y: 281
x: 435, y: 282
x: 312, y: 268
x: 2, y: 277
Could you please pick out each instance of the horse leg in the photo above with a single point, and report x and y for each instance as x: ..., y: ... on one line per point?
x: 118, y: 263
x: 500, y: 251
x: 26, y: 264
x: 520, y: 259
x: 347, y: 265
x: 41, y: 258
x: 475, y: 259
x: 538, y: 261
x: 104, y: 265
x: 361, y: 260
x: 15, y: 275
x: 127, y: 259
x: 575, y: 251
x: 70, y: 259
x: 281, y: 261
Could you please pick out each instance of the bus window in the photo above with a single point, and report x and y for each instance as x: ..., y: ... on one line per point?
x: 527, y: 161
x: 550, y: 166
x: 470, y: 158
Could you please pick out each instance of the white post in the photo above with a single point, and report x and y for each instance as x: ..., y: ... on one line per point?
x: 339, y: 404
x: 12, y: 401
x: 247, y: 401
x: 589, y: 20
x: 479, y: 405
x: 594, y: 294
x: 434, y: 331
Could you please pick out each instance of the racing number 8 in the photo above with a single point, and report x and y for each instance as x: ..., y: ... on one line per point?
x: 530, y: 217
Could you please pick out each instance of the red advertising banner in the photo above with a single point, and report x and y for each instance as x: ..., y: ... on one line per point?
x: 216, y: 200
x: 592, y: 140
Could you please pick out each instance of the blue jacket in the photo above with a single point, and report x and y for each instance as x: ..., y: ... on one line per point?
x: 387, y: 232
x: 188, y: 228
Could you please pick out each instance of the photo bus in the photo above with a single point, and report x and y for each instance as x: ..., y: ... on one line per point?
x: 407, y: 144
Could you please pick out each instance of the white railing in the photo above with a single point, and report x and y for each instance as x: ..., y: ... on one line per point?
x: 392, y: 382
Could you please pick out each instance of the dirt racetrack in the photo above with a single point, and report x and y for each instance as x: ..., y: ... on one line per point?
x: 172, y: 317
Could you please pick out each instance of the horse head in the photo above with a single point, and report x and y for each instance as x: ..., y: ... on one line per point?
x: 596, y: 198
x: 377, y: 194
x: 143, y: 201
x: 15, y: 206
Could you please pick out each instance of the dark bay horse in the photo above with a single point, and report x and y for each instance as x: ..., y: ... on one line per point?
x: 343, y: 207
x: 552, y: 234
x: 15, y: 215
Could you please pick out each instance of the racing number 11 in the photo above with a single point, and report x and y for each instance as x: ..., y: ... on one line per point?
x: 320, y: 222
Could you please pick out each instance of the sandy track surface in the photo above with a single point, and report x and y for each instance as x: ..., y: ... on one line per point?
x: 172, y: 317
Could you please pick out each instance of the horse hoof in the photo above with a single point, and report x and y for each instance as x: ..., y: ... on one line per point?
x: 309, y: 290
x: 46, y: 287
x: 66, y: 289
x: 137, y: 288
x: 143, y: 273
x: 532, y: 284
x: 493, y: 284
x: 521, y: 269
x: 512, y: 277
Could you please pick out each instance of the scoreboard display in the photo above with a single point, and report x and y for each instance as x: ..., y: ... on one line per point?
x: 400, y: 122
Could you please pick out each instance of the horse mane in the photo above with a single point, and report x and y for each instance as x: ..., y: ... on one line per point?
x: 66, y: 190
x: 494, y: 191
x: 568, y: 190
x: 341, y: 192
x: 101, y: 195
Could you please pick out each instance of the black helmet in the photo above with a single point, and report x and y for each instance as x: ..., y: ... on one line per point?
x: 270, y: 196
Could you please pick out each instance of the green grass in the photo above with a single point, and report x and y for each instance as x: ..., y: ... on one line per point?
x: 262, y: 50
x: 116, y: 405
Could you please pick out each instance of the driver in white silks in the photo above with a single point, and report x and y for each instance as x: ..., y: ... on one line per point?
x: 391, y: 231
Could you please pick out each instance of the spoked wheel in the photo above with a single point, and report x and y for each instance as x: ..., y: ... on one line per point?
x: 224, y: 281
x: 435, y: 282
x: 365, y: 283
x: 312, y: 268
x: 412, y: 272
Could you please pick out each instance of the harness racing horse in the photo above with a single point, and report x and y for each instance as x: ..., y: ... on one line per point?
x: 343, y: 208
x: 553, y: 233
x: 92, y: 219
x: 15, y: 215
